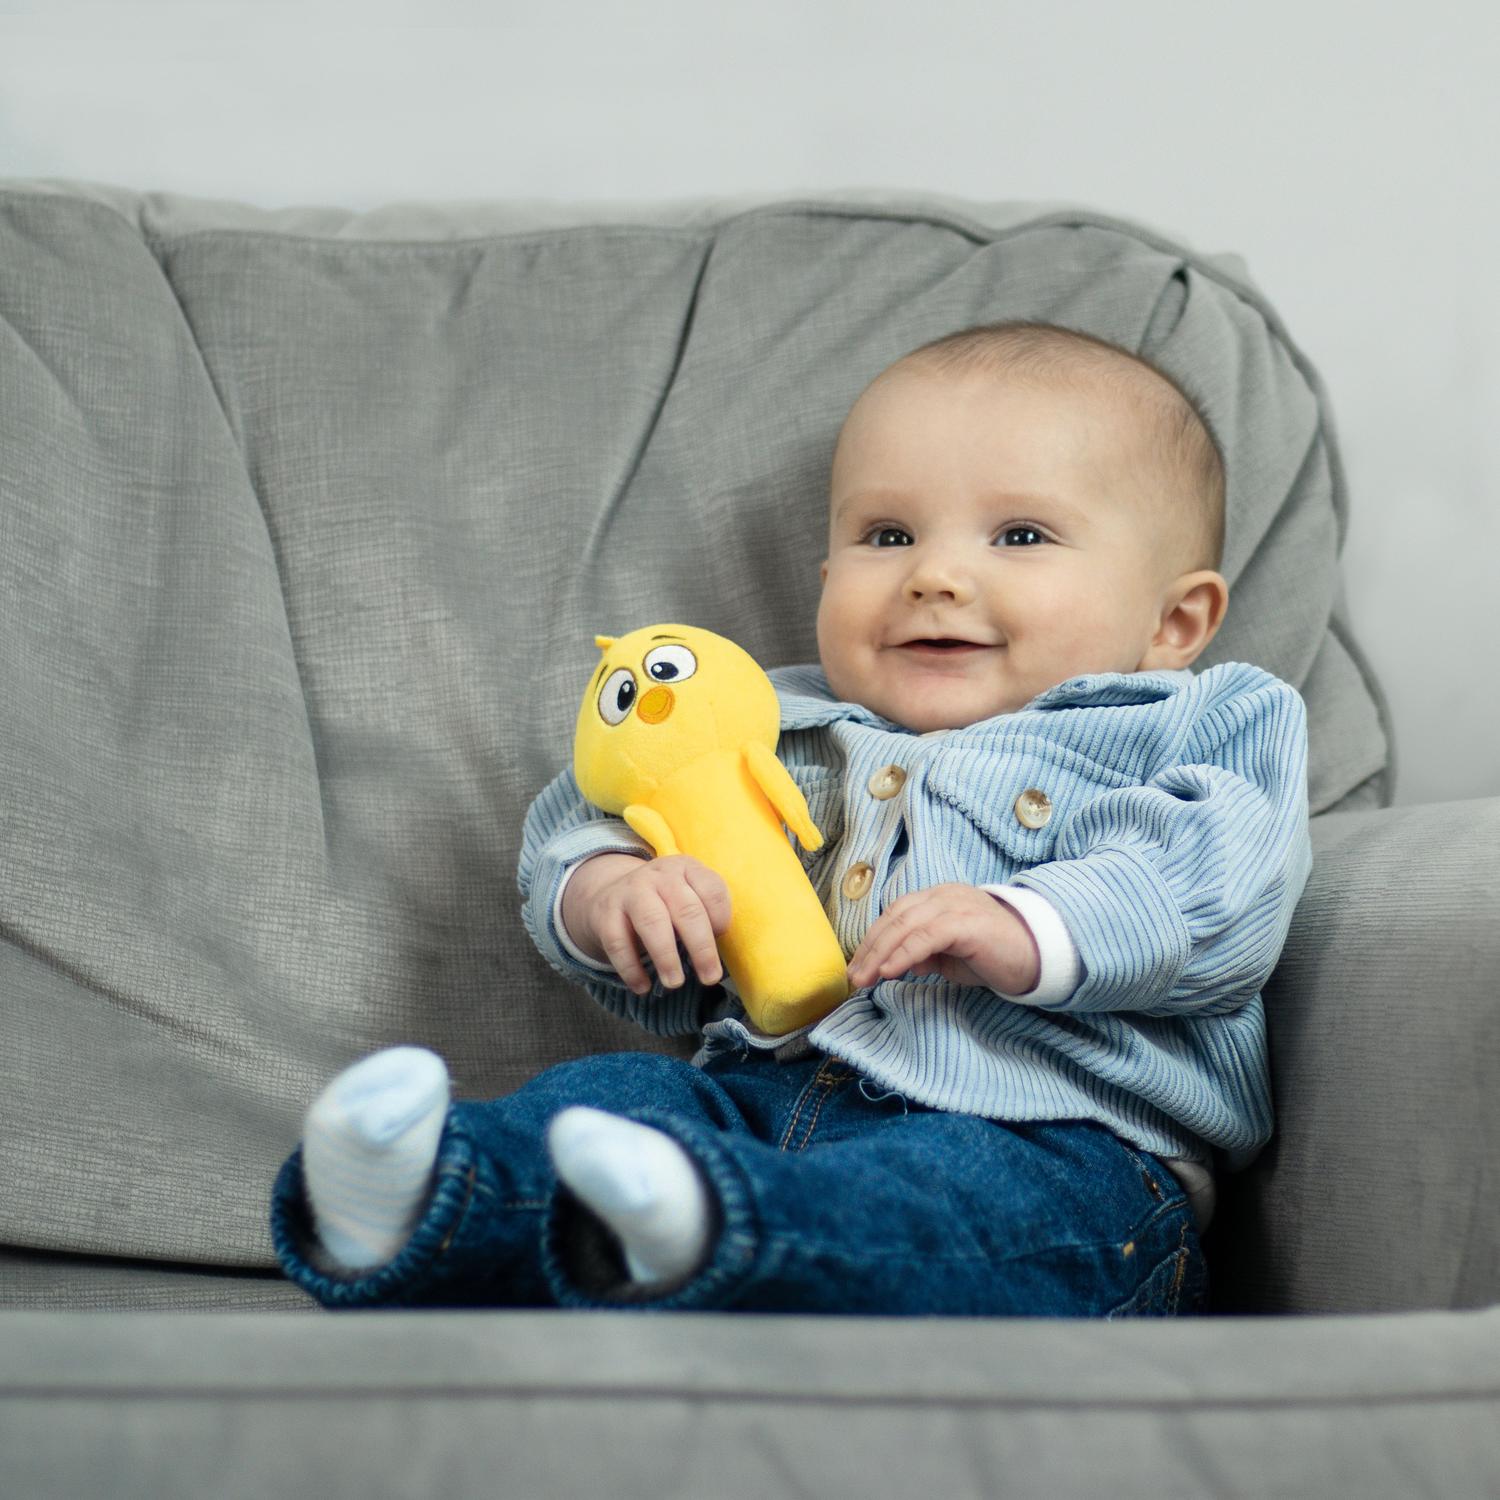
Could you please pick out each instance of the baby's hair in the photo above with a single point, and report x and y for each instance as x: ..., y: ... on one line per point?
x: 1178, y: 434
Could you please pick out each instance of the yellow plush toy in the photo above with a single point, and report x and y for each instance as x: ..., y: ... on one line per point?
x: 677, y: 733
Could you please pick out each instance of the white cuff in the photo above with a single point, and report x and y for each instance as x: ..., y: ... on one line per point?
x: 569, y: 946
x: 1060, y: 966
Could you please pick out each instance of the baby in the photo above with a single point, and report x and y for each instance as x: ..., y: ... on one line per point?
x: 1062, y: 866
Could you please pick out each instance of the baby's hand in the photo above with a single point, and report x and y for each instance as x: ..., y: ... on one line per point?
x: 958, y: 931
x: 616, y: 904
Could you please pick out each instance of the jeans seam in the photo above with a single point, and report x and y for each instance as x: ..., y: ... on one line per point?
x: 1175, y: 1297
x: 791, y: 1124
x: 1161, y: 1211
x: 867, y: 1254
x: 1165, y: 1195
x: 814, y: 1082
x: 469, y: 1180
x: 825, y: 1081
x: 830, y: 1085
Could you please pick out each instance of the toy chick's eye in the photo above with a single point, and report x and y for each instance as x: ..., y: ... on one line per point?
x: 616, y: 696
x: 670, y: 664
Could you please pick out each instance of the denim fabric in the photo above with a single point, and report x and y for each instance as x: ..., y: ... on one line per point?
x: 831, y: 1195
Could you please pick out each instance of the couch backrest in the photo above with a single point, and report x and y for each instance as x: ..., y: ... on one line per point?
x: 307, y: 522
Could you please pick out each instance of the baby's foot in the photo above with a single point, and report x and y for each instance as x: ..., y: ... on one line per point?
x: 368, y: 1149
x: 641, y: 1183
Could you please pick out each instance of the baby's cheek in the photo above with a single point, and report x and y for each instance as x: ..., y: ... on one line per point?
x: 1084, y: 640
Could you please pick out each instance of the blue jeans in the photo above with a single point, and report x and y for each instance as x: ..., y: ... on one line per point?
x: 831, y: 1195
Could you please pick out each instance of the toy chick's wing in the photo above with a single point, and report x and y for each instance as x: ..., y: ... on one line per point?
x: 783, y: 793
x: 653, y: 828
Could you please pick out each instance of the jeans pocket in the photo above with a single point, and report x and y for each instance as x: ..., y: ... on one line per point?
x: 1177, y: 1283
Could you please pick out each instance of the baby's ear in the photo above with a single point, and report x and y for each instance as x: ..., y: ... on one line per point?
x: 823, y: 571
x: 1193, y: 610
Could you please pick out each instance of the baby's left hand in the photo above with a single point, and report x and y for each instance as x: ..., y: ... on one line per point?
x: 958, y: 931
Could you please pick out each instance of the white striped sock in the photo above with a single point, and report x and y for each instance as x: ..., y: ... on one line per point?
x: 368, y: 1149
x: 641, y: 1183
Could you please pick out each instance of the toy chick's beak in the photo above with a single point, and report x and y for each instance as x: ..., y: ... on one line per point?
x: 656, y: 704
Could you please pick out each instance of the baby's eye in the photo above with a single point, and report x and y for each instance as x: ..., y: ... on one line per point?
x: 889, y: 536
x: 1020, y: 536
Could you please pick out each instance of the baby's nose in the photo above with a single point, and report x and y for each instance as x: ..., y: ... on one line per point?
x: 937, y: 580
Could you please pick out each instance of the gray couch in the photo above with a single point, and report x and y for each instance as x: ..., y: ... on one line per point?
x: 307, y: 521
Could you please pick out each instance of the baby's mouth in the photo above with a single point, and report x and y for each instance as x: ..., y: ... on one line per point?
x: 942, y: 646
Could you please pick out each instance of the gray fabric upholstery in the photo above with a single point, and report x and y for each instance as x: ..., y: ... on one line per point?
x: 1372, y: 1196
x: 1380, y: 1189
x: 307, y: 521
x: 557, y: 1404
x: 306, y: 535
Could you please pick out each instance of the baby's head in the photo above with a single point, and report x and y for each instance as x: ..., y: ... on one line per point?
x: 1012, y: 506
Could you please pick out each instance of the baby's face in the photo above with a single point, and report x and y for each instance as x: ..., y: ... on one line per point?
x: 988, y: 539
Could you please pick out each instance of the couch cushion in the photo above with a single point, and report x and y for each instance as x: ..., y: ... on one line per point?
x: 307, y: 522
x: 541, y: 1404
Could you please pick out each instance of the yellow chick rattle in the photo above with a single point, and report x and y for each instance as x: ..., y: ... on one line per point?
x: 677, y: 734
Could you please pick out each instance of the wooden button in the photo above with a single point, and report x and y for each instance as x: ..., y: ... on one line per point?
x: 886, y: 783
x: 1033, y: 807
x: 857, y: 881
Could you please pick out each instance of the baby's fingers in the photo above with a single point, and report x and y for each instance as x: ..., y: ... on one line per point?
x: 890, y: 953
x: 885, y: 933
x: 617, y: 938
x: 708, y: 885
x: 691, y: 924
x: 901, y: 958
x: 656, y: 928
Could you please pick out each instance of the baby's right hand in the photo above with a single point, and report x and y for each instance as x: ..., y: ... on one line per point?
x: 613, y: 912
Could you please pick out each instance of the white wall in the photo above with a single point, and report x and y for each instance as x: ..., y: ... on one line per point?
x: 1347, y: 151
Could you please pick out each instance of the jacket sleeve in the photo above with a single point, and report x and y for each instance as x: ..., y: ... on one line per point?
x: 1179, y: 893
x: 562, y: 830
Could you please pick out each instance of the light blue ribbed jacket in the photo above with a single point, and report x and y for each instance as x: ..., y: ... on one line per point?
x: 1175, y: 853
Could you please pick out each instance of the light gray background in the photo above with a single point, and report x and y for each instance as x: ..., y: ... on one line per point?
x: 1349, y: 153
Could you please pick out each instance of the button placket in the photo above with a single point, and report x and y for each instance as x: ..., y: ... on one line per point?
x: 874, y: 820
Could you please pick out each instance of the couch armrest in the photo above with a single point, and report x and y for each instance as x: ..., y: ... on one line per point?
x: 1380, y: 1190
